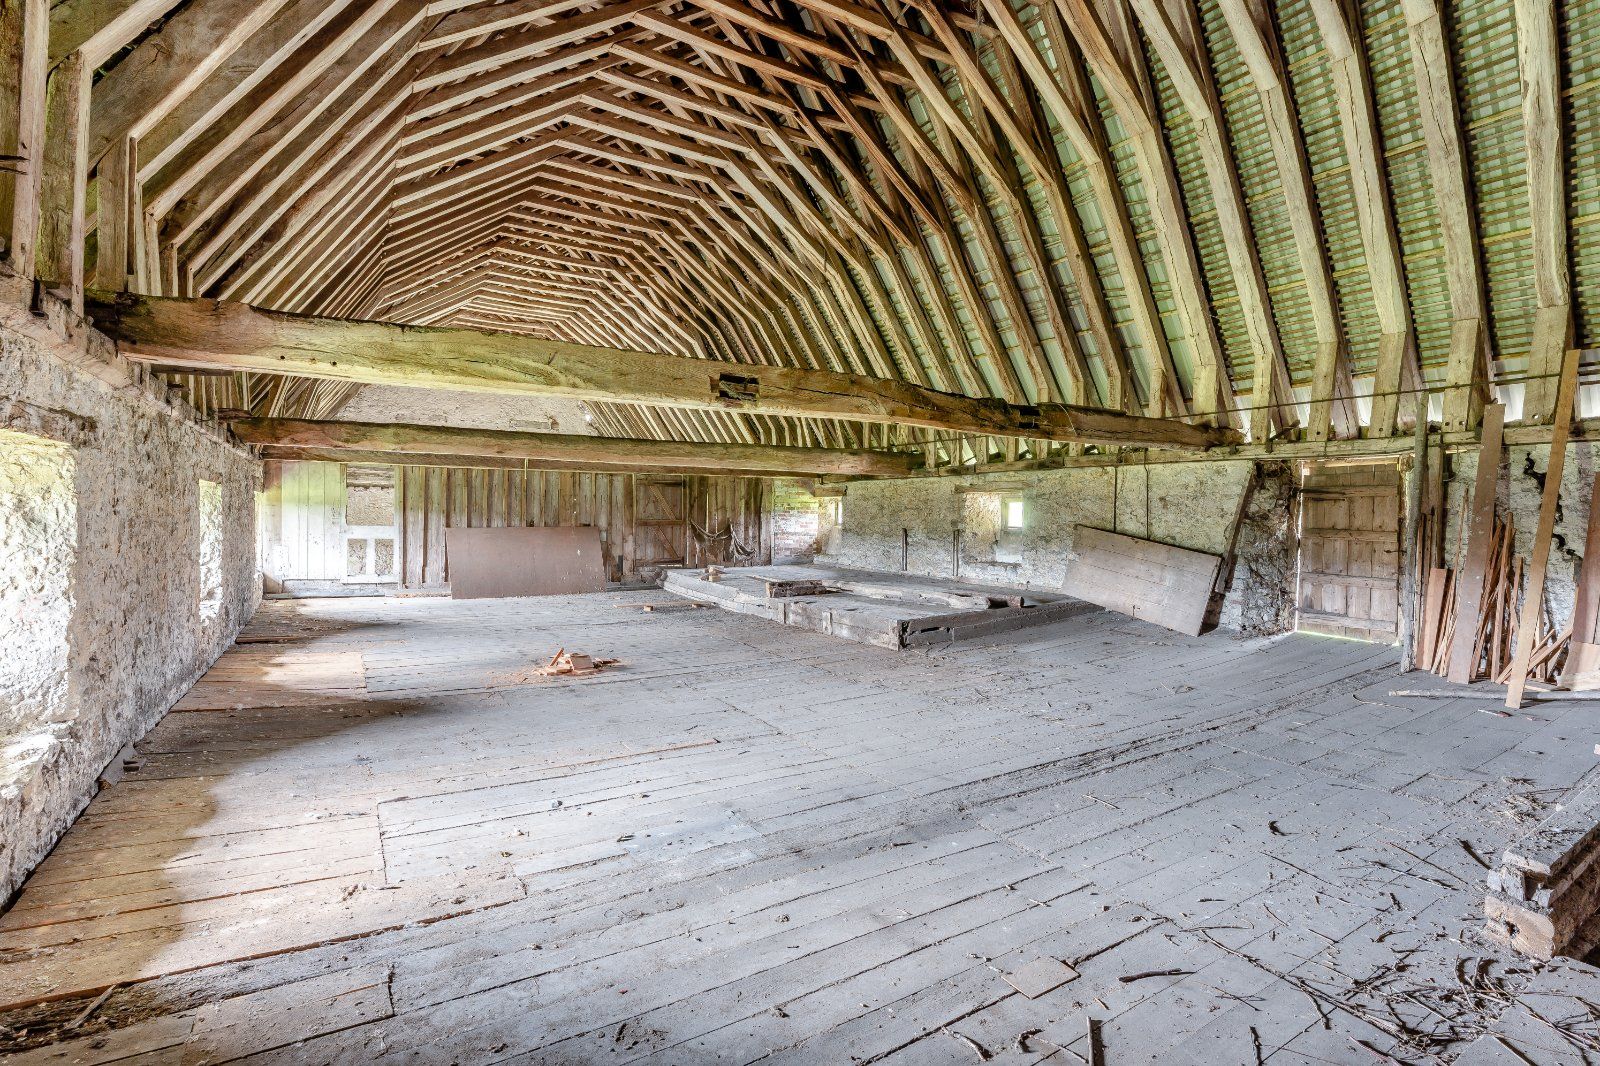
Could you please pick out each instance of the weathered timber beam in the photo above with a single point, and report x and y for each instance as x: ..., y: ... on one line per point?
x: 574, y: 447
x: 1355, y: 450
x: 215, y: 333
x: 296, y: 453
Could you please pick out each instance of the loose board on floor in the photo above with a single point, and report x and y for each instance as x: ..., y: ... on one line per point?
x: 1143, y: 579
x: 524, y: 561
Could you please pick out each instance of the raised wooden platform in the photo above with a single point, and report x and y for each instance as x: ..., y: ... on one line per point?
x: 886, y: 610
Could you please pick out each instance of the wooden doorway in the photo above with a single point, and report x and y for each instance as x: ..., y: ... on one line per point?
x: 1349, y: 581
x: 660, y: 524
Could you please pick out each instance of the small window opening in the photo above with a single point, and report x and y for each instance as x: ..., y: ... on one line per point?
x: 1013, y: 512
x: 209, y: 512
x: 39, y: 528
x: 369, y: 535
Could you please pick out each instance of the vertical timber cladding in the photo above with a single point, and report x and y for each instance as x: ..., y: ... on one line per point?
x: 660, y: 523
x: 644, y: 521
x: 730, y: 521
x: 1350, y: 551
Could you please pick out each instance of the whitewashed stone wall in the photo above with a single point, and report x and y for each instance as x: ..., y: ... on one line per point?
x: 794, y: 521
x: 1193, y: 505
x: 118, y: 560
x: 38, y: 530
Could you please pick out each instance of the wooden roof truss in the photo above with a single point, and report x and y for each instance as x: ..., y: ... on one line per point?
x: 1290, y: 217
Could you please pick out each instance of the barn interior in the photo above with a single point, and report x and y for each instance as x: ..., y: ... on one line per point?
x: 815, y: 531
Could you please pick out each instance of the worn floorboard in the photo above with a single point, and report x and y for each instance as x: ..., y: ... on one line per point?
x: 376, y: 840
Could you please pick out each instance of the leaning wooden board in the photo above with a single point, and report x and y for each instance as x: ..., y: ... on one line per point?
x: 1582, y: 669
x: 1143, y: 579
x: 524, y: 561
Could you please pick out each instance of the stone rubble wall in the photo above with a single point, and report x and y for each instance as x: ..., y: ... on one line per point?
x: 1521, y: 496
x: 132, y: 636
x: 1260, y: 598
x: 1194, y: 505
x: 1190, y: 504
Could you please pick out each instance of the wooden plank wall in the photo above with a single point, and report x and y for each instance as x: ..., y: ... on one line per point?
x: 1159, y: 583
x: 731, y: 521
x: 433, y: 499
x: 302, y: 532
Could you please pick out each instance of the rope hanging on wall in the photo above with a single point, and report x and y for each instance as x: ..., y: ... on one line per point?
x: 734, y: 543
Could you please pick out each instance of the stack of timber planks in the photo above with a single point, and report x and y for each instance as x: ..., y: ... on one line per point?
x: 1473, y: 614
x: 1494, y: 628
x: 1544, y: 897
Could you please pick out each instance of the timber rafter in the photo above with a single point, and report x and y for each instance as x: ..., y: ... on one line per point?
x: 1205, y: 210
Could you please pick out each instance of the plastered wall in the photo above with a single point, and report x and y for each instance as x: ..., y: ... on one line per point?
x: 103, y: 594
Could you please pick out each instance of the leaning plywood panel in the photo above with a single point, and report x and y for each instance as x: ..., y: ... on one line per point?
x: 508, y: 561
x: 1158, y: 583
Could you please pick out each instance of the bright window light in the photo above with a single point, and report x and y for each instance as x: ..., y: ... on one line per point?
x: 1013, y: 513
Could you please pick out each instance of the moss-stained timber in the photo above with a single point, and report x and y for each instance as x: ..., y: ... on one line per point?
x: 1539, y: 61
x: 222, y: 334
x: 1176, y: 39
x: 1333, y: 411
x: 290, y: 452
x: 1107, y: 46
x: 571, y: 447
x: 1433, y: 67
x: 24, y: 37
x: 1397, y: 368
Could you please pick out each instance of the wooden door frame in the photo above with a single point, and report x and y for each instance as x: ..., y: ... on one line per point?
x: 643, y: 525
x: 1400, y: 464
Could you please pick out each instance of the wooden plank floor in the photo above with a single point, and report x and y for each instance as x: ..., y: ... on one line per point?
x: 749, y: 843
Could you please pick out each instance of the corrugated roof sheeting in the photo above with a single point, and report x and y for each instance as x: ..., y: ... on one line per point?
x: 1416, y: 214
x: 1204, y: 231
x: 1264, y: 199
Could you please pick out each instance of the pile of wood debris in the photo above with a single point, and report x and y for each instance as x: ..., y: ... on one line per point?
x: 573, y: 664
x: 563, y: 663
x: 1545, y: 894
